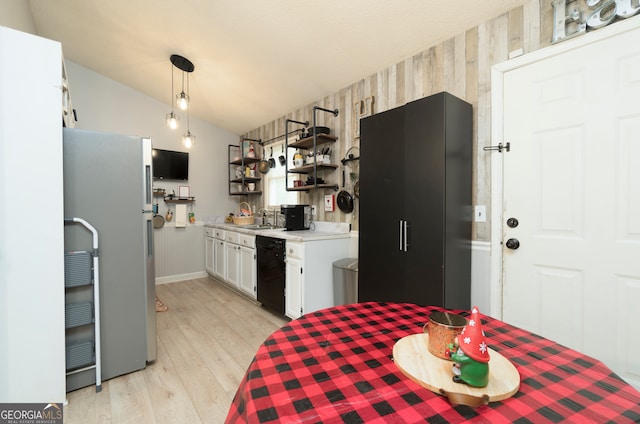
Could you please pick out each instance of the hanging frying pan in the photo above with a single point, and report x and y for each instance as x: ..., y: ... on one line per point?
x: 272, y: 161
x: 158, y: 221
x: 344, y: 199
x: 263, y: 166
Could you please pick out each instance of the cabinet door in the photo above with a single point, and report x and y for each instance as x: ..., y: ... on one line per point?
x: 381, y: 207
x: 219, y: 260
x: 293, y: 288
x: 248, y: 271
x: 232, y: 256
x: 425, y: 164
x: 438, y: 133
x: 209, y: 257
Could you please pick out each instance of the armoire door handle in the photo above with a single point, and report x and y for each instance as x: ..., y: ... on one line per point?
x: 406, y: 236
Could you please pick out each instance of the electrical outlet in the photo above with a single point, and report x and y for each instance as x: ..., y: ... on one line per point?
x: 313, y: 210
x: 480, y: 213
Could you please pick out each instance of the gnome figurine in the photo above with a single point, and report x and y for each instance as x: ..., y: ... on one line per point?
x: 471, y: 360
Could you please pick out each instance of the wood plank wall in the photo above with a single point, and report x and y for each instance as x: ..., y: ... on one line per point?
x: 460, y: 65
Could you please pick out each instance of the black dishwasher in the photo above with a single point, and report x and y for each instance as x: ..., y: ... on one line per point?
x: 271, y: 273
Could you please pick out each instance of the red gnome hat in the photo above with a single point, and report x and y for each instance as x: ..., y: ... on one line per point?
x: 471, y: 340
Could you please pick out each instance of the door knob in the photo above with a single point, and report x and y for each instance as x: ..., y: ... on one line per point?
x: 513, y: 244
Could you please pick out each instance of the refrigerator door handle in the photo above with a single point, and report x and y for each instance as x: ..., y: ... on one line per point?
x: 400, y: 236
x: 149, y: 237
x: 147, y: 185
x: 406, y: 236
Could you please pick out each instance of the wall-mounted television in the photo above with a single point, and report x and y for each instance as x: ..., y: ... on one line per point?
x: 170, y: 165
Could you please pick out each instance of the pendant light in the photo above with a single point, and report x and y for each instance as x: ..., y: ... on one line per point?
x: 173, y: 120
x: 182, y: 99
x: 188, y: 139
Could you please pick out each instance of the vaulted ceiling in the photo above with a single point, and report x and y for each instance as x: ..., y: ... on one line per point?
x: 255, y: 60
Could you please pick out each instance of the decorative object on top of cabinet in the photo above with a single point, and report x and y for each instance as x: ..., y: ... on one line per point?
x: 422, y: 230
x: 361, y: 109
x: 243, y: 168
x: 68, y: 112
x: 316, y: 136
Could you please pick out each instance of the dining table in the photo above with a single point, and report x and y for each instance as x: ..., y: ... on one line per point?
x: 336, y: 365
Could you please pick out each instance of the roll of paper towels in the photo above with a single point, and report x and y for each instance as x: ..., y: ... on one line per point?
x: 181, y: 215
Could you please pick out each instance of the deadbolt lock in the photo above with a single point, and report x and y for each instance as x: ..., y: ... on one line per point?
x: 512, y: 222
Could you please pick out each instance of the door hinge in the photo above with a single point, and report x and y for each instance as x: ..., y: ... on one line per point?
x: 301, y: 310
x: 300, y: 270
x: 499, y: 147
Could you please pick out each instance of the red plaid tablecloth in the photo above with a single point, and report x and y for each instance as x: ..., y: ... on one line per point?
x: 336, y: 366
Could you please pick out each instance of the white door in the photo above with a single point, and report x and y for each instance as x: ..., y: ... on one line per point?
x: 572, y: 180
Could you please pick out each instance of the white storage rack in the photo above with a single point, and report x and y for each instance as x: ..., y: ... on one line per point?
x: 81, y: 271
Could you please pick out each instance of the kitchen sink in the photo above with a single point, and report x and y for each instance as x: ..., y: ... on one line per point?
x: 258, y: 227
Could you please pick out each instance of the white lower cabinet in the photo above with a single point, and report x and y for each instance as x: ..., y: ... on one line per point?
x: 233, y: 260
x: 309, y: 274
x: 209, y: 257
x: 248, y: 281
x: 232, y: 255
x: 293, y: 286
x: 248, y: 270
x: 219, y: 268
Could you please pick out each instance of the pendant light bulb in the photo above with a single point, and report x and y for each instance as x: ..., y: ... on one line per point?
x: 182, y: 100
x: 188, y: 139
x: 173, y: 120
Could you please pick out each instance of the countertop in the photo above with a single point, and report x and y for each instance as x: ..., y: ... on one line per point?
x: 322, y: 231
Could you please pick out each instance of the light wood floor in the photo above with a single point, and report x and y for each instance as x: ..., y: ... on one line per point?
x: 206, y: 341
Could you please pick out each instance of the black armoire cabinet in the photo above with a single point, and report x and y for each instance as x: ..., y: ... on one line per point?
x: 415, y: 203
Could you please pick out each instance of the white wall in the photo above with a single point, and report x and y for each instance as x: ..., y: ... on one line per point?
x: 32, y: 334
x: 16, y: 14
x: 106, y: 105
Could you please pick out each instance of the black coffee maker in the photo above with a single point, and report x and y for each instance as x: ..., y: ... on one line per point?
x: 296, y: 217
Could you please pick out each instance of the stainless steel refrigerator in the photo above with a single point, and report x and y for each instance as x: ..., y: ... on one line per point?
x: 108, y: 183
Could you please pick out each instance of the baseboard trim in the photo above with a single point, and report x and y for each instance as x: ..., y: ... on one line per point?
x: 180, y: 277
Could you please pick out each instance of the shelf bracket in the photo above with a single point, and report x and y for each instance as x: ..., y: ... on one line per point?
x: 259, y: 141
x: 286, y: 144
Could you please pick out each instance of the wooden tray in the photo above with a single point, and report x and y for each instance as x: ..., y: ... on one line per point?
x: 413, y: 358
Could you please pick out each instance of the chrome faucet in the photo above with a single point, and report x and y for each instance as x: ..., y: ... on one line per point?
x: 265, y: 212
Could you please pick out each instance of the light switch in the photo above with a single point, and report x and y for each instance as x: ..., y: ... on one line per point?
x: 329, y: 202
x: 480, y: 213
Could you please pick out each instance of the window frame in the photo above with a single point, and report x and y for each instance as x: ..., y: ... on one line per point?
x: 275, y: 175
